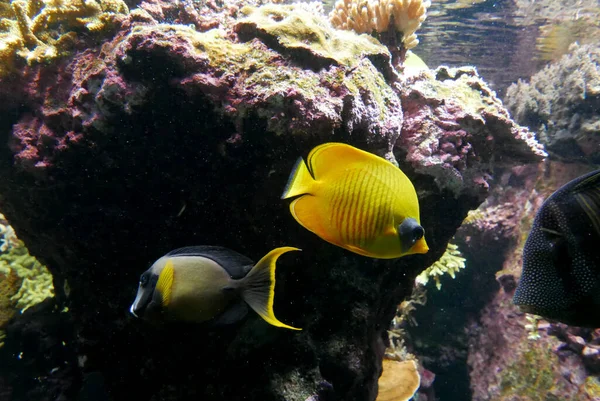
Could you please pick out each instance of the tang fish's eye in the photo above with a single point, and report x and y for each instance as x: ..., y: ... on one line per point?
x: 144, y: 280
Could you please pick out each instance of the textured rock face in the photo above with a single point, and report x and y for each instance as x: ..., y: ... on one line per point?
x: 165, y: 136
x: 561, y: 104
x: 454, y: 126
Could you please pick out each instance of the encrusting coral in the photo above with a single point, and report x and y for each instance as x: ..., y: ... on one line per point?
x: 9, y: 285
x: 450, y: 263
x: 560, y: 103
x: 394, y: 22
x: 24, y: 281
x: 42, y: 30
x: 399, y: 380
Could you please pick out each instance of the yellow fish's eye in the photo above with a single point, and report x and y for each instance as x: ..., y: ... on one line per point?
x: 410, y: 232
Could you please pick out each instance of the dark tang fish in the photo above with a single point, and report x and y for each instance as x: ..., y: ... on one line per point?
x: 208, y: 284
x: 561, y: 257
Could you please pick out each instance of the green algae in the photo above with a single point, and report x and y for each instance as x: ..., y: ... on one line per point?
x: 36, y: 283
x: 461, y: 86
x: 531, y: 376
x: 592, y: 386
x: 41, y: 31
x: 271, y: 77
x: 294, y: 28
x: 366, y: 77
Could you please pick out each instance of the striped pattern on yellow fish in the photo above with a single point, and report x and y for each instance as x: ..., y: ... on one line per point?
x: 356, y: 200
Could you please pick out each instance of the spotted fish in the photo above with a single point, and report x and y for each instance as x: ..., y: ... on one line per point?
x: 561, y: 258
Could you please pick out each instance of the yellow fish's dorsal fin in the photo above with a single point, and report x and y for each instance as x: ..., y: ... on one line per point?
x: 334, y: 155
x: 300, y: 181
x: 587, y: 194
x: 258, y: 287
x: 164, y: 285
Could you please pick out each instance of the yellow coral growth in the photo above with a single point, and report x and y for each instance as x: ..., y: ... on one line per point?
x: 41, y: 30
x: 450, y: 263
x: 9, y: 286
x: 399, y: 380
x: 24, y: 281
x: 368, y: 16
x: 36, y: 283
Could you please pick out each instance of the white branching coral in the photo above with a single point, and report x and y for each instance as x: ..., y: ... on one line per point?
x: 380, y: 16
x: 450, y: 263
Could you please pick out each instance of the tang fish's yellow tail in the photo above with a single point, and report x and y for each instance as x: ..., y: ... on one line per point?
x: 258, y: 287
x: 300, y: 181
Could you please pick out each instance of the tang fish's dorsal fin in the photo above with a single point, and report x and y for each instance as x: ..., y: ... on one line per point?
x: 234, y: 263
x: 587, y: 193
x: 334, y: 155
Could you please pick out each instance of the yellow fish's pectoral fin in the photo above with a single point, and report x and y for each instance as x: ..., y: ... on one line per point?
x: 305, y: 211
x: 334, y: 155
x: 391, y: 230
x: 300, y: 181
x: 164, y: 285
x: 258, y: 287
x: 360, y: 251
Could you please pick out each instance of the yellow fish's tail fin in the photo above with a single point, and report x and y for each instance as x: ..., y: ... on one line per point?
x: 258, y: 287
x: 164, y: 285
x: 300, y: 181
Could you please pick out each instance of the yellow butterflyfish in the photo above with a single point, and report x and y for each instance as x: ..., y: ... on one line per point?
x: 356, y: 200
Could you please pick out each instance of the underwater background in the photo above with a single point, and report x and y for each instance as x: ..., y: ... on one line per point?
x: 131, y: 128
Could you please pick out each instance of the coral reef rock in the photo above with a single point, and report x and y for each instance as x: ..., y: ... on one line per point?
x: 164, y: 135
x: 454, y: 125
x: 560, y: 103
